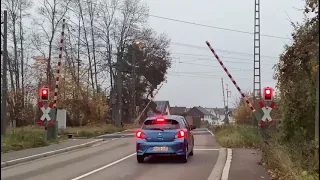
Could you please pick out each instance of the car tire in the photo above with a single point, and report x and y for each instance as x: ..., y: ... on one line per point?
x: 184, y: 158
x: 191, y: 153
x: 140, y: 158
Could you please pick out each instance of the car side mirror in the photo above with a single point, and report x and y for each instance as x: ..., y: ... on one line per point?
x: 192, y: 127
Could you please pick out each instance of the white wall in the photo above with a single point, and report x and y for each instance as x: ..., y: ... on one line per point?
x: 167, y: 110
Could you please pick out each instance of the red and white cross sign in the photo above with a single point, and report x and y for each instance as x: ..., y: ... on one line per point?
x: 266, y: 112
x: 45, y: 114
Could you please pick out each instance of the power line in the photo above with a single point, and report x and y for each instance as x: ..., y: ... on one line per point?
x: 201, y: 47
x: 222, y: 50
x: 224, y: 57
x: 216, y: 27
x: 208, y: 65
x: 198, y: 24
x: 201, y: 55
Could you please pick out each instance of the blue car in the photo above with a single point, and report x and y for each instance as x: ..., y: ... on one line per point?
x: 169, y: 134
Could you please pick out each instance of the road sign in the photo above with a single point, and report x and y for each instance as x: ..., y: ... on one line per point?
x: 266, y: 113
x: 45, y: 114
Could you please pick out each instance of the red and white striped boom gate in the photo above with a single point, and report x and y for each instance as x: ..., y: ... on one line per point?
x: 233, y: 81
x: 55, y: 97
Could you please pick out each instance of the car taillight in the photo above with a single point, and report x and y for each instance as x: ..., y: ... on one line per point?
x: 140, y: 134
x: 180, y: 134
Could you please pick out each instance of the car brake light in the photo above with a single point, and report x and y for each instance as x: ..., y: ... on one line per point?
x: 180, y: 134
x: 140, y: 134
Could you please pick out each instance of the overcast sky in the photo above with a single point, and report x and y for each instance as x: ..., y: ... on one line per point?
x: 195, y: 76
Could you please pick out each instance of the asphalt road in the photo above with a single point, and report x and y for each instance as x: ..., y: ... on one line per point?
x: 116, y: 160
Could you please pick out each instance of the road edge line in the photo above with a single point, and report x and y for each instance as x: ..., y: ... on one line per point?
x: 47, y: 154
x: 226, y: 169
x: 210, y: 132
x: 216, y: 172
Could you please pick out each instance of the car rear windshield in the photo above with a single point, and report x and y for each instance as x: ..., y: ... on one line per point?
x: 167, y: 124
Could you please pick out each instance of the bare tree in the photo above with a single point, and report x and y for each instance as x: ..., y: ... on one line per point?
x: 51, y: 13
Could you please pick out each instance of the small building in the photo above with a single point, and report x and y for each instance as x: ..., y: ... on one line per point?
x: 163, y: 107
x: 202, y: 113
x: 219, y: 112
x: 178, y: 110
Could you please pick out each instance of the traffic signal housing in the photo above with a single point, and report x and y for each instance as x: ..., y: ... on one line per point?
x: 44, y: 94
x: 267, y: 93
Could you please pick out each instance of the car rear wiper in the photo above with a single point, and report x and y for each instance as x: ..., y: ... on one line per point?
x: 157, y: 129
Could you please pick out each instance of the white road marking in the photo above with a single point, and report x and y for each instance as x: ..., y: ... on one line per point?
x: 210, y: 132
x: 226, y: 169
x: 114, y: 139
x: 206, y: 149
x: 103, y: 167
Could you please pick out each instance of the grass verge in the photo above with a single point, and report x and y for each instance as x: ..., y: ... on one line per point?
x: 91, y: 130
x: 242, y: 136
x: 285, y: 161
x: 24, y: 138
x: 32, y: 136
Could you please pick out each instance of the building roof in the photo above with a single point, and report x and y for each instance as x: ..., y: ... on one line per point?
x: 178, y: 110
x: 203, y: 110
x: 220, y: 111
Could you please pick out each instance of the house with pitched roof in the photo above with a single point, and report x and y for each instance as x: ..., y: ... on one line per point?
x: 219, y: 113
x: 200, y: 112
x: 178, y: 110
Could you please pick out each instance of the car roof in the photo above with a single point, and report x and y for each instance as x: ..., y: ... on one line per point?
x: 172, y: 117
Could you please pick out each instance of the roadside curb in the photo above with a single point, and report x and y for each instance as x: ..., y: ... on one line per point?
x: 217, y: 170
x: 47, y: 154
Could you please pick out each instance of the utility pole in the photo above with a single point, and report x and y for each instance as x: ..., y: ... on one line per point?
x: 119, y: 89
x: 134, y: 48
x: 224, y: 99
x: 317, y: 110
x: 4, y: 89
x: 227, y: 107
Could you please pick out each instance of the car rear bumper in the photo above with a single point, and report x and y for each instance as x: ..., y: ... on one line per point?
x: 176, y: 147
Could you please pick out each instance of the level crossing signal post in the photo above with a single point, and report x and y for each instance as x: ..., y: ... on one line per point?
x: 48, y: 118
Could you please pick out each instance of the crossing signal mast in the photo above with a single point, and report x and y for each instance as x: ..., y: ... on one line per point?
x: 256, y: 52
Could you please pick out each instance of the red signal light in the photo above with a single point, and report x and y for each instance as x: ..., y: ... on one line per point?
x: 267, y: 93
x: 44, y: 94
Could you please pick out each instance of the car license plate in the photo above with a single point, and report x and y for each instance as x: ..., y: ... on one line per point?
x: 162, y: 148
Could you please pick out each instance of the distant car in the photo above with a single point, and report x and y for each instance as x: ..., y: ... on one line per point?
x: 169, y: 134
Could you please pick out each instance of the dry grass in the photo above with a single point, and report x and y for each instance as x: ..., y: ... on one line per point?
x: 290, y: 161
x: 91, y: 130
x: 243, y: 136
x: 24, y: 138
